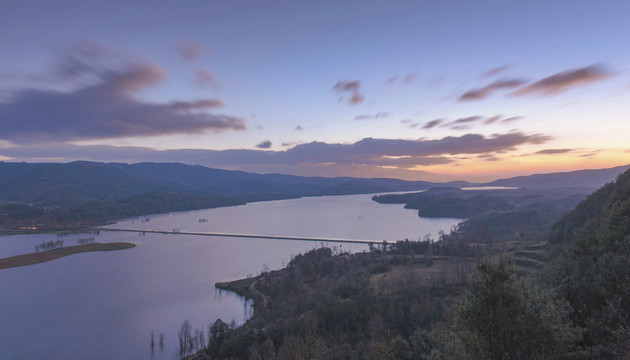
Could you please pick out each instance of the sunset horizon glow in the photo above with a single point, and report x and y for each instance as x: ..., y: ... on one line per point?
x: 416, y: 90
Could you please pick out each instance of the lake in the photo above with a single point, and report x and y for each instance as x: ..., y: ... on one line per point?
x: 105, y: 305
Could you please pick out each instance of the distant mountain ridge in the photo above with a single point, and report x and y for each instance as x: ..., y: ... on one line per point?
x: 81, y: 181
x: 593, y: 179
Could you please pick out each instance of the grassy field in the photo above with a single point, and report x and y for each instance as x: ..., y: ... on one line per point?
x: 40, y: 257
x: 440, y: 270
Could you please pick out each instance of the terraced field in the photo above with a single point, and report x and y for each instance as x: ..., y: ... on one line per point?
x: 531, y: 259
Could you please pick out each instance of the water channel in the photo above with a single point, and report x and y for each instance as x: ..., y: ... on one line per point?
x: 105, y: 305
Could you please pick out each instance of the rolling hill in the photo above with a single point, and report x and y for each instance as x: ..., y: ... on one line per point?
x: 46, y: 184
x: 79, y: 182
x: 590, y: 179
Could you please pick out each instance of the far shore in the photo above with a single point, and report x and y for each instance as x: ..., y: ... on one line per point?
x: 44, y: 256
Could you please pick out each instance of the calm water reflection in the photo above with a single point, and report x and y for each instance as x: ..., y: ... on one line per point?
x: 104, y: 305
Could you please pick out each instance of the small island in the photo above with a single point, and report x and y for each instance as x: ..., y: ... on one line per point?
x: 44, y: 256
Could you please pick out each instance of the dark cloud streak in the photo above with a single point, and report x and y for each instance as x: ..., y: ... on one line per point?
x: 378, y: 115
x: 466, y: 123
x: 264, y: 145
x: 369, y: 151
x: 484, y: 92
x: 495, y: 71
x: 553, y: 151
x: 565, y: 81
x: 433, y: 123
x: 466, y: 120
x: 349, y: 88
x: 106, y: 107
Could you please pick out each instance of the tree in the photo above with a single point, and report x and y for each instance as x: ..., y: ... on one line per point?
x: 399, y: 349
x: 502, y: 317
x: 216, y: 337
x: 185, y: 339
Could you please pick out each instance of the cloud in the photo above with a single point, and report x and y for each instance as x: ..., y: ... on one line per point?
x: 462, y: 123
x: 466, y: 123
x: 494, y: 71
x: 73, y: 62
x: 368, y: 149
x: 433, y: 123
x: 204, y: 79
x: 351, y: 89
x: 553, y: 151
x: 510, y: 119
x: 565, y: 81
x: 356, y: 99
x: 378, y: 115
x: 550, y: 85
x: 399, y: 153
x: 188, y: 106
x: 105, y: 106
x: 492, y: 120
x: 264, y: 145
x: 191, y: 49
x: 484, y: 92
x: 408, y: 79
x: 347, y: 86
x: 391, y: 81
x: 410, y: 123
x: 590, y: 154
x: 466, y: 120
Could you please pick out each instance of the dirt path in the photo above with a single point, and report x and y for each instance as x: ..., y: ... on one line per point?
x: 254, y: 292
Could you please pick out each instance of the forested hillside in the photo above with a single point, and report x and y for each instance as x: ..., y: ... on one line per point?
x: 428, y: 299
x: 51, y: 196
x: 514, y: 214
x: 74, y: 183
x: 593, y: 272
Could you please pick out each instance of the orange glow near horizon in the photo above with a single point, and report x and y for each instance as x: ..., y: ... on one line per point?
x: 481, y: 170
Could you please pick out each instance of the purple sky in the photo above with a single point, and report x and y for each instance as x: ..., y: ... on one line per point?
x: 432, y: 90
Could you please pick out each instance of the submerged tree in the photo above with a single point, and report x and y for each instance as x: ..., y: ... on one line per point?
x: 185, y: 339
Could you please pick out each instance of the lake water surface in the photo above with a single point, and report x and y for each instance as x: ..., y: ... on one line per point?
x: 105, y: 305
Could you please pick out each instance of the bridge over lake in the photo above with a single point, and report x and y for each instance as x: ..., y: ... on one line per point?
x: 274, y: 237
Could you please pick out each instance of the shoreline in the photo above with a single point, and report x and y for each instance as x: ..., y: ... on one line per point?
x: 45, y: 256
x: 87, y: 227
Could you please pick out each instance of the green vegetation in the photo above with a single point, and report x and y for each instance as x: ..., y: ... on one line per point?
x: 520, y: 278
x: 494, y: 215
x: 562, y: 295
x: 54, y: 197
x: 56, y: 253
x: 333, y: 305
x: 448, y: 202
x: 592, y: 272
x: 19, y: 218
x: 27, y: 218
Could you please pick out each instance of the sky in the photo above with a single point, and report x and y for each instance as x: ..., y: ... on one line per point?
x: 419, y: 90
